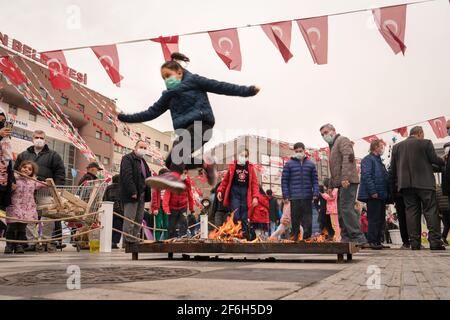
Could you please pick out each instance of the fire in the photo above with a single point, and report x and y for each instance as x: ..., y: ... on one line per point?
x: 320, y: 238
x: 229, y: 231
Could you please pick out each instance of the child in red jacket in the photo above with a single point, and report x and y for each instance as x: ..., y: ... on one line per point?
x: 176, y: 206
x: 239, y: 189
x: 259, y: 216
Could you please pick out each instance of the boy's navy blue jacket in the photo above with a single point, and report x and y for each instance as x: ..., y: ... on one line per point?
x: 189, y: 102
x: 299, y: 180
x: 374, y: 178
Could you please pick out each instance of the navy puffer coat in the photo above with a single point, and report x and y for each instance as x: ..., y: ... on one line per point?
x: 374, y: 178
x: 299, y: 180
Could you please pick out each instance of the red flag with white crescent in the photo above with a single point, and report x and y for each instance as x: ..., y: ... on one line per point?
x: 391, y: 22
x: 315, y: 33
x: 12, y: 71
x: 280, y: 35
x: 109, y: 58
x: 371, y: 138
x: 58, y: 70
x: 403, y: 131
x: 227, y: 46
x: 169, y: 45
x: 439, y: 126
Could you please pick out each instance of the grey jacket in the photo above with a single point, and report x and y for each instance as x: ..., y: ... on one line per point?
x: 342, y: 162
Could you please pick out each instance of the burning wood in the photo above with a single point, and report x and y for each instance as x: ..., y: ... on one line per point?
x: 228, y: 232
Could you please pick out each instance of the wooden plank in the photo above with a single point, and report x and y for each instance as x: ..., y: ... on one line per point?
x: 92, y: 197
x: 54, y: 192
x: 73, y: 199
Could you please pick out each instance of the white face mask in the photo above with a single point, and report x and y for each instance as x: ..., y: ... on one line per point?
x: 39, y: 143
x: 141, y: 152
x: 299, y: 155
x: 242, y: 159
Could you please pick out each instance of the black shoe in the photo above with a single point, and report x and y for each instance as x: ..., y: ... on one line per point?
x: 169, y: 180
x: 9, y: 249
x: 19, y: 249
x: 441, y: 247
x: 445, y: 241
x: 375, y: 246
x: 60, y: 246
x: 384, y: 246
x: 416, y: 247
x: 114, y: 246
x: 31, y: 248
x: 210, y: 169
x: 405, y: 246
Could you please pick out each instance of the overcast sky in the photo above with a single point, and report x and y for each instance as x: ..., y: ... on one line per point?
x: 364, y: 88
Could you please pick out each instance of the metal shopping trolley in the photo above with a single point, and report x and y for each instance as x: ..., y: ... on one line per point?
x: 77, y: 205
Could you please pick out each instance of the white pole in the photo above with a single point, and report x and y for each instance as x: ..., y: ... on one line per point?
x: 204, y: 226
x: 106, y: 218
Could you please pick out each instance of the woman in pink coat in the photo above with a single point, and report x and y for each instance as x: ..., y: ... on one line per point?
x: 23, y: 206
x: 331, y: 195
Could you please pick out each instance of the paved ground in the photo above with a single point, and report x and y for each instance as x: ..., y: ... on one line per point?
x: 402, y: 275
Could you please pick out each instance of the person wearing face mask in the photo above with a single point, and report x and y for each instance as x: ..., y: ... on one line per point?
x: 300, y: 185
x: 92, y: 170
x: 412, y: 163
x: 134, y: 193
x: 374, y: 191
x: 6, y: 169
x: 192, y: 116
x: 344, y: 176
x: 239, y: 189
x: 50, y: 165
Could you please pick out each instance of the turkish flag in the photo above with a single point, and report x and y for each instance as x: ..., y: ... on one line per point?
x: 391, y: 22
x: 227, y: 46
x: 439, y: 127
x: 58, y: 70
x: 403, y: 131
x: 371, y: 138
x: 109, y: 58
x: 315, y: 33
x: 280, y: 35
x: 12, y: 71
x: 169, y: 45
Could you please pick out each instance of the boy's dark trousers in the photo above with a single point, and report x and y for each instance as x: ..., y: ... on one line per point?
x: 117, y: 224
x: 196, y: 141
x: 238, y: 202
x: 177, y: 219
x: 301, y: 213
x: 15, y: 231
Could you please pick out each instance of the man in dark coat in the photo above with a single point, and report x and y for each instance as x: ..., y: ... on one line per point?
x: 300, y: 184
x: 92, y: 170
x: 412, y: 167
x: 51, y: 165
x: 112, y: 193
x: 133, y: 190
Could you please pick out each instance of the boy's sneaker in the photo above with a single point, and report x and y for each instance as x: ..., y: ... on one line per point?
x: 51, y: 248
x: 169, y: 180
x: 9, y: 250
x: 210, y: 169
x: 19, y: 249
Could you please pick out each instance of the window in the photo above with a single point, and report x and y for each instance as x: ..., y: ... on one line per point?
x: 99, y: 116
x: 158, y: 144
x: 98, y: 158
x: 32, y: 117
x: 138, y: 135
x: 147, y: 140
x: 166, y: 147
x: 13, y: 110
x: 81, y: 107
x: 117, y: 148
x: 106, y: 161
x: 107, y: 138
x: 98, y: 135
x: 116, y: 129
x: 43, y: 92
x: 64, y: 101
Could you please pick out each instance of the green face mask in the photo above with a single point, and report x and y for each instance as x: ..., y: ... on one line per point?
x: 172, y: 82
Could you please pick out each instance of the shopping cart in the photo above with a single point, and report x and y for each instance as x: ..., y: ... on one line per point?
x: 77, y: 205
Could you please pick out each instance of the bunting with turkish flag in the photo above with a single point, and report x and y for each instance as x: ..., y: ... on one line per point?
x: 227, y: 46
x: 12, y: 71
x: 109, y: 58
x: 439, y: 126
x: 58, y: 70
x: 315, y: 33
x: 280, y: 35
x: 403, y: 131
x: 169, y: 45
x: 391, y: 22
x: 371, y: 138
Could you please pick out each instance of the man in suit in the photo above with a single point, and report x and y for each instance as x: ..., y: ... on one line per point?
x: 412, y: 167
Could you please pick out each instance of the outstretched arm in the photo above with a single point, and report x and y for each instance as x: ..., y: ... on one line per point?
x: 153, y: 112
x: 225, y: 88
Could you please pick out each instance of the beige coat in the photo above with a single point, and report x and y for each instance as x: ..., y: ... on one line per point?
x: 342, y: 162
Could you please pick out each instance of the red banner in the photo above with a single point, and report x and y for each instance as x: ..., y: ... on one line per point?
x: 109, y: 58
x: 12, y: 71
x: 169, y: 45
x: 403, y: 131
x: 315, y: 33
x: 371, y: 138
x: 227, y: 46
x: 280, y: 35
x: 391, y: 22
x: 58, y: 70
x: 439, y: 127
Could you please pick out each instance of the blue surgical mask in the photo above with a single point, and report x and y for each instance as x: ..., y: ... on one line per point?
x: 328, y: 138
x: 299, y: 155
x: 172, y: 82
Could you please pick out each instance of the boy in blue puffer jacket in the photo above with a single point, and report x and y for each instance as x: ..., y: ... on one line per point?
x: 300, y: 185
x: 373, y: 190
x: 193, y: 119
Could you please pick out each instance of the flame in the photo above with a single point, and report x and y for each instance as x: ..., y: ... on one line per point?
x: 229, y: 231
x: 320, y: 238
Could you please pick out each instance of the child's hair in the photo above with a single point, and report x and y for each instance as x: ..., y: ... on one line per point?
x: 174, y: 64
x: 29, y: 162
x: 326, y: 183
